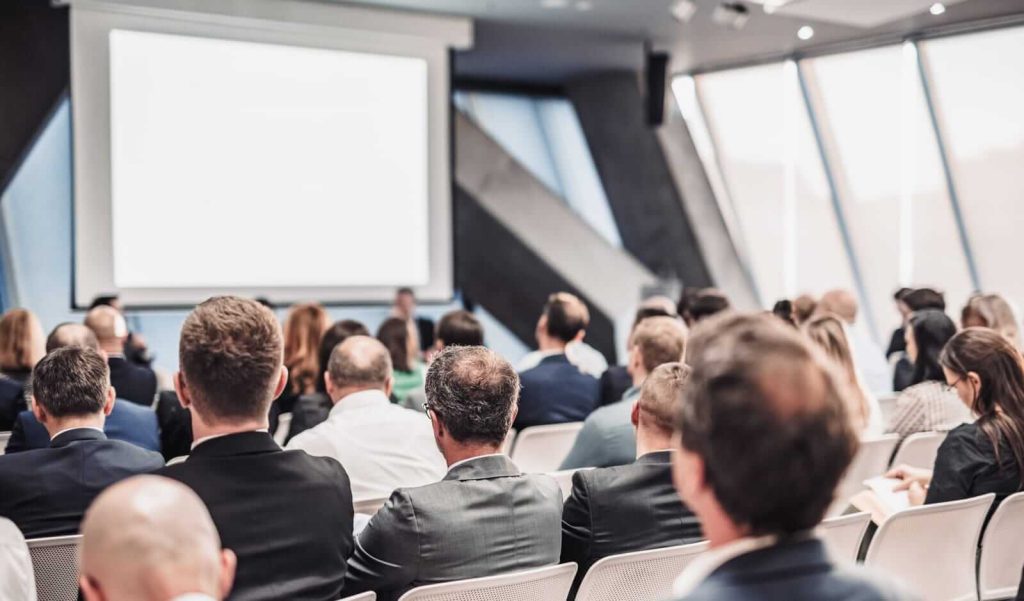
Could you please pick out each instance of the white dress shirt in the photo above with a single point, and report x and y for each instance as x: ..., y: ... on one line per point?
x: 381, y: 446
x: 706, y: 563
x: 17, y: 582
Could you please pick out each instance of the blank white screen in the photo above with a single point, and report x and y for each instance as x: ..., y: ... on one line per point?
x: 249, y: 164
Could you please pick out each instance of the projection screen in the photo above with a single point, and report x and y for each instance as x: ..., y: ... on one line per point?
x: 291, y: 154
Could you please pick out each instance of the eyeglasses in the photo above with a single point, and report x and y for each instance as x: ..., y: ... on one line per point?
x: 952, y: 387
x: 427, y: 408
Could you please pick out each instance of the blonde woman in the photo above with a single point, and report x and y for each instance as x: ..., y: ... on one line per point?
x: 303, y: 329
x: 993, y: 312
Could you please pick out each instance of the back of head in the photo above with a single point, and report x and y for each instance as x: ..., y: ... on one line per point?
x: 360, y: 362
x: 841, y: 303
x: 932, y: 329
x: 71, y: 334
x: 659, y: 340
x: 474, y: 392
x: 706, y: 303
x: 661, y: 396
x: 230, y: 354
x: 992, y: 311
x: 828, y: 333
x: 566, y: 316
x: 804, y: 307
x: 150, y: 538
x: 460, y: 328
x: 21, y: 340
x: 71, y: 381
x: 335, y: 335
x: 767, y: 417
x: 106, y: 300
x: 303, y: 329
x: 920, y: 299
x: 394, y: 334
x: 107, y: 323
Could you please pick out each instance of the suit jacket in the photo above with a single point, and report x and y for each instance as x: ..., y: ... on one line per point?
x: 46, y: 491
x: 555, y: 392
x: 798, y: 570
x: 133, y: 382
x: 615, y: 381
x: 425, y: 331
x: 310, y: 410
x: 482, y: 519
x: 607, y: 438
x: 624, y: 509
x: 286, y: 515
x: 175, y: 425
x: 12, y: 401
x: 127, y: 421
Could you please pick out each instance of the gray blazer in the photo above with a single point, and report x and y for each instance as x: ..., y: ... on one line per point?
x: 484, y: 518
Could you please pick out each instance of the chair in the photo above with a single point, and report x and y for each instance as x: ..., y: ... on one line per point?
x: 871, y: 460
x: 510, y: 438
x: 4, y: 437
x: 1002, y: 550
x: 550, y: 583
x: 284, y: 423
x: 543, y: 448
x: 55, y: 564
x: 919, y: 449
x: 367, y: 596
x: 639, y: 575
x: 842, y: 535
x: 368, y: 506
x: 887, y: 404
x: 933, y: 548
x: 177, y: 460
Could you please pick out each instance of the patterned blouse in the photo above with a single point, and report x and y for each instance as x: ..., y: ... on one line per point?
x: 927, y: 407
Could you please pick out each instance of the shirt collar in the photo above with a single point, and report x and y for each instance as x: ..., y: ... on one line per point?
x: 200, y: 441
x: 360, y: 400
x: 706, y: 563
x: 468, y: 459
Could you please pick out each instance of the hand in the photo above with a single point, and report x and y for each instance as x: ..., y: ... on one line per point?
x: 909, y: 476
x: 916, y: 494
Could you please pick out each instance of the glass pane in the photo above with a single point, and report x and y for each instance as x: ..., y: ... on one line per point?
x: 888, y: 173
x: 977, y: 83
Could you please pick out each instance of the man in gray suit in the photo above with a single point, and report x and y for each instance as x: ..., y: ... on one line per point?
x: 484, y: 517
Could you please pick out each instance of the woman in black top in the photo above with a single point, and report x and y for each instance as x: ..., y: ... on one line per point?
x: 987, y: 372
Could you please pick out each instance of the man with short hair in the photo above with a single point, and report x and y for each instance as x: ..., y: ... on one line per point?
x: 46, y: 491
x: 404, y: 307
x: 133, y: 382
x: 867, y: 355
x: 459, y: 328
x: 608, y: 437
x: 127, y: 421
x: 765, y: 439
x: 382, y: 446
x: 484, y: 517
x: 703, y: 304
x: 556, y: 391
x: 632, y: 507
x: 286, y: 515
x: 149, y: 538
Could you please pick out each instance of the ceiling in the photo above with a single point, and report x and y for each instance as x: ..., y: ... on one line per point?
x: 548, y: 42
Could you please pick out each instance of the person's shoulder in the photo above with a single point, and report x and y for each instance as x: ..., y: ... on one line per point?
x: 316, y: 468
x: 844, y: 584
x: 136, y: 452
x: 135, y: 410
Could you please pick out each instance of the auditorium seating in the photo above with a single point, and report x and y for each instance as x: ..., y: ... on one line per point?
x: 843, y: 535
x: 543, y: 448
x: 4, y: 437
x: 919, y: 450
x: 872, y: 460
x: 284, y: 422
x: 55, y: 564
x: 550, y: 583
x: 1002, y: 550
x: 640, y: 575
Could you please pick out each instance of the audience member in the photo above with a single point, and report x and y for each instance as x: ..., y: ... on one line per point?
x: 484, y: 517
x: 286, y: 515
x: 46, y: 491
x: 897, y: 344
x: 135, y: 349
x: 987, y: 373
x: 911, y: 301
x: 585, y: 357
x: 616, y: 380
x: 783, y: 309
x: 804, y: 307
x: 132, y: 382
x: 151, y: 539
x: 382, y: 446
x: 404, y: 308
x: 21, y: 347
x: 398, y: 337
x: 928, y: 404
x: 829, y: 334
x: 312, y: 409
x: 866, y: 354
x: 17, y: 582
x: 175, y: 425
x: 993, y: 312
x: 459, y: 328
x: 704, y: 304
x: 764, y: 441
x: 127, y: 421
x: 556, y: 391
x: 632, y: 507
x: 607, y: 437
x: 303, y: 329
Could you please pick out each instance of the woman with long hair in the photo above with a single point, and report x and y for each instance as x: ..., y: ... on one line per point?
x: 927, y: 404
x: 398, y: 337
x: 986, y: 372
x: 22, y: 345
x: 829, y: 334
x: 993, y: 312
x: 303, y: 329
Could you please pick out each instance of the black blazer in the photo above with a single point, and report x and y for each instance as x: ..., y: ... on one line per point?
x: 555, y: 392
x: 175, y: 425
x: 132, y: 382
x: 46, y: 491
x: 12, y: 402
x: 615, y: 381
x: 286, y: 515
x: 622, y: 509
x: 798, y: 570
x: 310, y: 410
x: 127, y: 421
x: 966, y: 467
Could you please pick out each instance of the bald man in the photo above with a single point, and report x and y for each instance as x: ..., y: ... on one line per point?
x: 382, y: 446
x: 150, y: 538
x: 867, y: 355
x: 133, y: 382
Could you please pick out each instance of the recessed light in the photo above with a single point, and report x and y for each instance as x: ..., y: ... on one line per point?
x: 937, y: 9
x: 805, y: 33
x: 683, y: 10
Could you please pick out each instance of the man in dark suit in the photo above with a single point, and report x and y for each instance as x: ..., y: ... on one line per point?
x: 765, y: 439
x: 484, y: 517
x: 632, y: 507
x: 132, y: 382
x: 556, y: 391
x: 46, y: 491
x: 287, y: 516
x: 405, y: 308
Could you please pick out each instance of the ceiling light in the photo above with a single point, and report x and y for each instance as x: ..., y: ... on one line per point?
x: 683, y: 10
x: 805, y: 33
x: 937, y: 9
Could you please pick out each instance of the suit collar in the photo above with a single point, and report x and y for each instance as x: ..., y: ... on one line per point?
x: 800, y: 552
x: 554, y: 358
x: 63, y: 439
x: 241, y: 443
x: 483, y: 467
x: 656, y: 457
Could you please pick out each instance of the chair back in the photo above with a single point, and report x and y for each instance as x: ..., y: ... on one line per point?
x: 540, y: 449
x: 55, y: 565
x: 638, y: 575
x: 551, y: 583
x: 368, y: 506
x: 177, y: 460
x: 284, y: 423
x: 888, y: 403
x: 872, y: 459
x: 842, y: 535
x: 510, y: 438
x: 367, y: 596
x: 919, y: 449
x: 4, y: 437
x: 933, y: 548
x: 1002, y: 550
